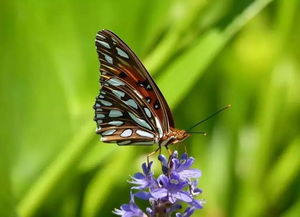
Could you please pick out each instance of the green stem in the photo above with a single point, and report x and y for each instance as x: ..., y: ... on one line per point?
x: 249, y: 13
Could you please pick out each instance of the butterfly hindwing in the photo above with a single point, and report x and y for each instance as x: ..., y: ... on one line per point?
x: 130, y: 108
x: 120, y: 116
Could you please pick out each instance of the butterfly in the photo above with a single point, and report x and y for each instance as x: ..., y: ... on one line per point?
x: 130, y: 109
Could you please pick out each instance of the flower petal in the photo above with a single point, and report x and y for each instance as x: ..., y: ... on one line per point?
x: 184, y: 156
x: 186, y: 164
x: 147, y: 168
x: 163, y: 159
x: 118, y: 212
x: 183, y: 196
x: 130, y: 210
x: 139, y: 176
x: 126, y: 207
x: 196, y: 191
x: 175, y: 176
x: 174, y: 164
x: 159, y: 193
x: 175, y: 154
x: 172, y: 198
x: 143, y: 195
x: 163, y: 180
x: 189, y: 173
x: 198, y: 204
x: 164, y: 163
x: 188, y: 211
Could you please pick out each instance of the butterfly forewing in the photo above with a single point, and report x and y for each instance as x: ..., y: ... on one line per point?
x: 130, y: 108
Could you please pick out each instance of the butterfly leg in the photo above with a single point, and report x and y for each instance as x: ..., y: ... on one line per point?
x: 153, y: 153
x: 169, y: 150
x: 185, y: 149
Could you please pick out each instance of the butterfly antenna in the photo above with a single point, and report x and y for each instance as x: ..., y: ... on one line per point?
x: 198, y: 132
x: 209, y: 117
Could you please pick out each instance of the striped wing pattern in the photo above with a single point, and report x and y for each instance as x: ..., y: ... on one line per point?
x: 130, y: 109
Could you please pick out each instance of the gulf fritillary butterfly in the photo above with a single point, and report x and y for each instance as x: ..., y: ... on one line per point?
x: 130, y: 109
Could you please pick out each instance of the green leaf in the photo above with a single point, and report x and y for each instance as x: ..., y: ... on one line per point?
x: 284, y: 171
x: 56, y: 171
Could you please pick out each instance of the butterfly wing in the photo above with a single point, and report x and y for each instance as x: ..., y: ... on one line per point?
x: 130, y: 108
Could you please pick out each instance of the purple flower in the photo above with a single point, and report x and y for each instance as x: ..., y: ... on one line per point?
x: 181, y: 166
x: 187, y: 213
x: 175, y: 186
x: 171, y: 187
x: 130, y: 210
x: 194, y: 189
x: 145, y: 179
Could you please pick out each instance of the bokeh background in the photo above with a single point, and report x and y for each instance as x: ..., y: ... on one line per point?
x: 203, y: 55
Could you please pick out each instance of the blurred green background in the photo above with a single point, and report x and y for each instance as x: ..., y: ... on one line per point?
x: 203, y: 55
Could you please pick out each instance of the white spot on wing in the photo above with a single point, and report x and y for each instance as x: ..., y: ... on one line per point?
x: 101, y: 36
x: 118, y: 93
x: 122, y: 53
x: 138, y: 93
x: 131, y: 103
x: 114, y: 41
x: 144, y: 134
x: 108, y: 132
x: 100, y: 115
x: 126, y: 133
x: 103, y: 43
x: 148, y: 113
x: 115, y: 82
x: 139, y: 121
x: 160, y: 131
x: 106, y: 103
x: 108, y: 58
x: 116, y: 123
x: 115, y: 113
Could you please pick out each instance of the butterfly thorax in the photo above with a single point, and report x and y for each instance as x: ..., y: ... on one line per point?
x: 173, y: 136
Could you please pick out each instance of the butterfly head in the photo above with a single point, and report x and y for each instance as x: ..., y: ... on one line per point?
x: 178, y: 135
